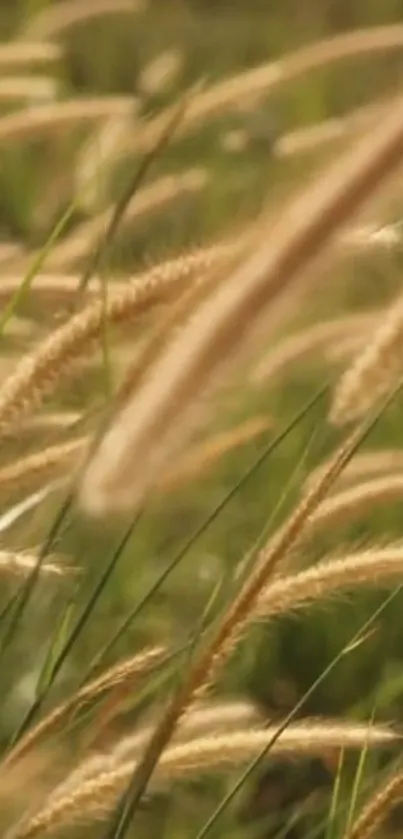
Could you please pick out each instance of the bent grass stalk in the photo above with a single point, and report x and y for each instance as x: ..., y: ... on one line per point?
x: 219, y: 717
x: 148, y: 426
x: 199, y: 458
x: 364, y: 466
x: 374, y: 567
x: 21, y: 564
x: 27, y: 87
x: 230, y: 629
x: 312, y: 339
x: 373, y: 371
x: 35, y: 465
x: 121, y: 673
x: 39, y: 372
x: 151, y: 198
x: 375, y: 812
x: 93, y: 798
x: 42, y: 119
x: 16, y: 54
x: 347, y: 504
x: 265, y: 79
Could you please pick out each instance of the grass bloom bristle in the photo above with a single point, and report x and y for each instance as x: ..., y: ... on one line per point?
x: 125, y: 672
x: 39, y: 372
x: 374, y: 567
x: 94, y: 798
x: 374, y: 370
x: 150, y: 424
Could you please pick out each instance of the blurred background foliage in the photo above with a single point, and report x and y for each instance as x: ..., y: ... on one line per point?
x: 210, y: 40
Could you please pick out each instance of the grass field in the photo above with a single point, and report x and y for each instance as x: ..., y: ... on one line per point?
x: 200, y: 307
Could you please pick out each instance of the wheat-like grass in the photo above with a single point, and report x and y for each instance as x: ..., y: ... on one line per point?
x: 314, y: 339
x: 27, y: 123
x: 237, y: 617
x: 53, y: 458
x: 202, y: 455
x: 41, y: 370
x: 38, y: 464
x: 365, y: 465
x: 54, y: 421
x: 265, y: 79
x: 52, y: 287
x: 151, y: 198
x: 149, y: 425
x: 373, y: 815
x: 125, y: 672
x: 339, y: 352
x: 93, y: 799
x: 310, y: 137
x: 373, y: 371
x: 22, y: 563
x: 159, y: 74
x: 58, y: 19
x: 97, y: 158
x: 354, y: 501
x: 16, y: 54
x: 374, y: 567
x: 208, y: 717
x: 27, y: 87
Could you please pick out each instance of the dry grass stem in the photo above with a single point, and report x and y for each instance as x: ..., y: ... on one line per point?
x: 21, y: 564
x: 198, y: 458
x: 374, y: 567
x: 39, y: 372
x: 308, y: 138
x: 96, y: 160
x: 261, y: 81
x: 364, y: 465
x: 125, y: 672
x: 313, y: 339
x: 238, y: 616
x: 51, y: 287
x: 203, y: 455
x: 374, y: 371
x: 373, y: 815
x: 93, y: 799
x: 38, y: 464
x: 148, y: 427
x: 161, y: 72
x: 42, y: 119
x: 357, y: 500
x: 219, y: 717
x: 36, y: 88
x: 151, y: 198
x: 16, y: 54
x: 56, y: 20
x: 55, y: 421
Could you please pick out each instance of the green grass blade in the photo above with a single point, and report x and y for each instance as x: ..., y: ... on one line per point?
x: 77, y: 629
x: 129, y: 801
x: 201, y: 528
x: 27, y: 588
x: 334, y: 803
x: 212, y: 821
x: 36, y: 266
x: 358, y: 778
